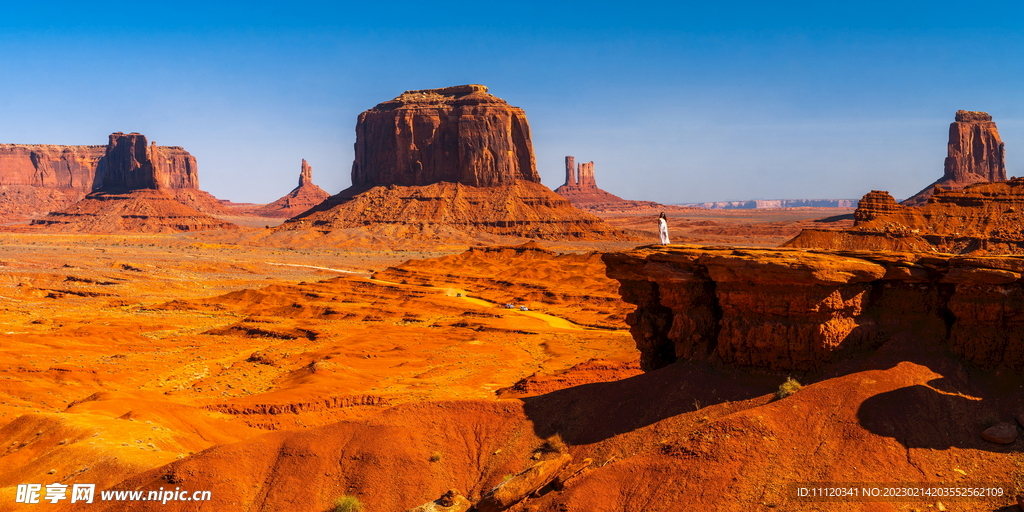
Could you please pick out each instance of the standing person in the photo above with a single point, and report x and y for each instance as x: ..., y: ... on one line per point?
x: 663, y: 228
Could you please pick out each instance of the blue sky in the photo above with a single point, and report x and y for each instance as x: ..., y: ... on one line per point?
x: 679, y: 102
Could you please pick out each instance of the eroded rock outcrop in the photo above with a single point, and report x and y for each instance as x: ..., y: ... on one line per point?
x: 581, y: 189
x: 40, y: 178
x: 300, y: 199
x: 790, y: 309
x: 457, y: 134
x: 985, y: 218
x: 139, y: 188
x: 446, y: 164
x: 975, y: 155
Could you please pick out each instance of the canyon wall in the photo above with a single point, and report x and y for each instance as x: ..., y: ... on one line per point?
x: 789, y: 309
x: 457, y: 134
x: 975, y: 154
x: 984, y: 218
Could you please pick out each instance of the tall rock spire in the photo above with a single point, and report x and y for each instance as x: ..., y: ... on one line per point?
x: 975, y: 155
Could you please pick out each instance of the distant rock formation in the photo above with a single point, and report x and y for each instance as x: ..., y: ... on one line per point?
x: 790, y: 309
x: 975, y: 155
x: 39, y: 178
x: 776, y: 203
x: 447, y: 164
x: 457, y: 134
x: 131, y: 164
x: 985, y: 218
x: 300, y: 199
x: 580, y: 188
x: 139, y: 188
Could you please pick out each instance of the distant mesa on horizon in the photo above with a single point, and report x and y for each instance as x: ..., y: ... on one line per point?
x: 581, y: 189
x: 975, y: 154
x: 446, y: 164
x: 775, y: 204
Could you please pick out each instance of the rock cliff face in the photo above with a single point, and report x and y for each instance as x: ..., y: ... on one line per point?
x: 457, y: 134
x: 131, y: 164
x: 39, y: 178
x: 986, y: 218
x: 300, y: 199
x: 138, y: 187
x: 795, y: 309
x: 580, y: 188
x: 975, y: 155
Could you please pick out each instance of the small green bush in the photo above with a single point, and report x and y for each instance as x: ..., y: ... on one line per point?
x: 348, y: 504
x: 788, y: 388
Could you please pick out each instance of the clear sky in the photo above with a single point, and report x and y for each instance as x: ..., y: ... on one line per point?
x: 674, y: 102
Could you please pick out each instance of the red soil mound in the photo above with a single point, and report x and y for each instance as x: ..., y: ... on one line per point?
x: 571, y: 286
x: 138, y: 211
x: 448, y: 212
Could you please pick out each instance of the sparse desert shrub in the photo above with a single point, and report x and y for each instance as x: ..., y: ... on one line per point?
x: 554, y: 444
x: 788, y: 388
x: 348, y: 504
x: 435, y: 457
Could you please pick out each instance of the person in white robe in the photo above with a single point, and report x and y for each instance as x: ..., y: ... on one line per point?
x: 663, y: 228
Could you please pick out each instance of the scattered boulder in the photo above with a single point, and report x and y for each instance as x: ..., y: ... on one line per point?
x: 520, y: 486
x: 450, y: 501
x: 1002, y: 433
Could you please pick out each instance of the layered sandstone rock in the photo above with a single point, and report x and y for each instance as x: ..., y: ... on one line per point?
x: 790, y: 309
x: 40, y: 178
x: 447, y: 164
x: 300, y: 199
x: 457, y: 134
x: 37, y: 178
x: 986, y: 218
x: 975, y: 155
x: 130, y: 163
x: 139, y: 188
x: 581, y: 189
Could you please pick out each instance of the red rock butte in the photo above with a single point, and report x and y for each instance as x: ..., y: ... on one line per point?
x: 40, y: 178
x: 446, y: 164
x: 975, y: 155
x: 457, y: 134
x: 139, y: 188
x: 581, y: 189
x: 300, y: 199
